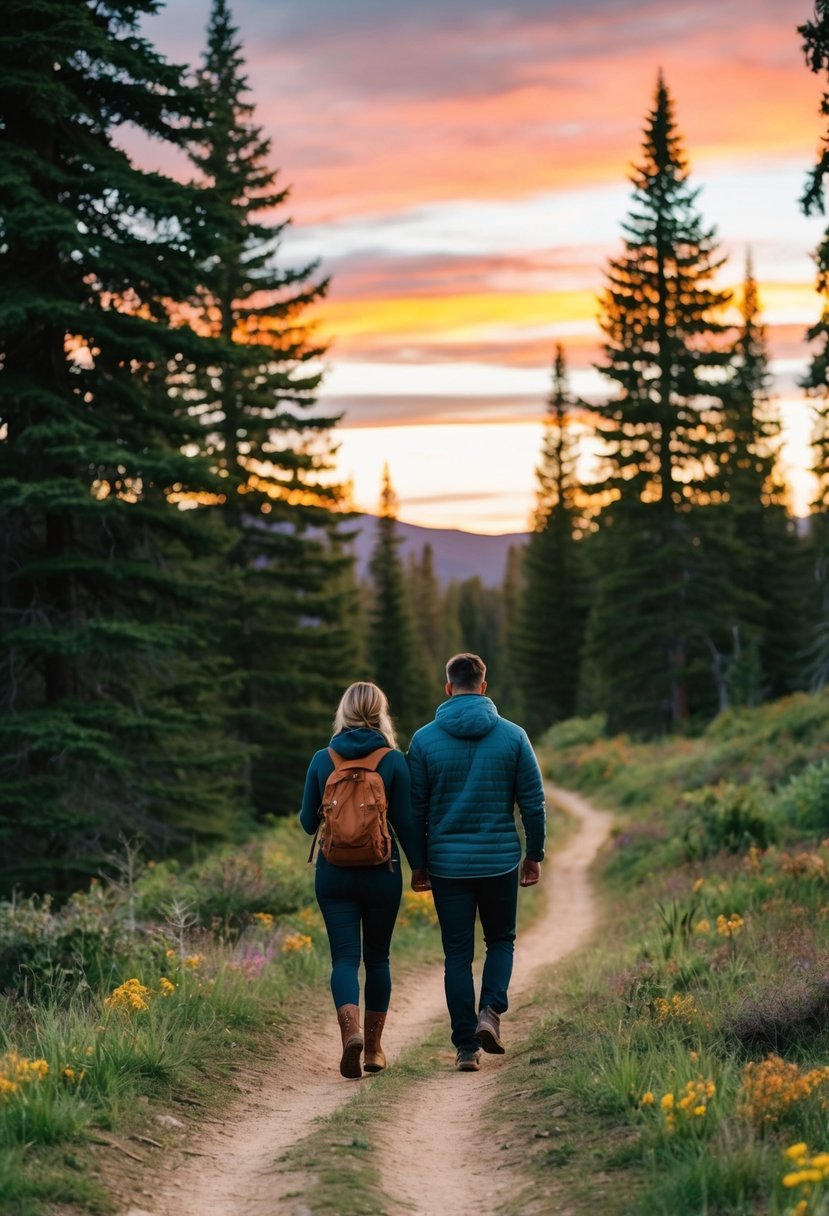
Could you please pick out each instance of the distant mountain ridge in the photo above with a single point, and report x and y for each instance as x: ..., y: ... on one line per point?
x: 457, y: 555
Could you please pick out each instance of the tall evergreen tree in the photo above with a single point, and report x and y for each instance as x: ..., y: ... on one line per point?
x: 549, y: 635
x: 663, y: 349
x: 392, y: 648
x: 510, y: 700
x: 291, y: 631
x: 750, y: 530
x: 108, y: 720
x: 427, y: 604
x: 815, y: 35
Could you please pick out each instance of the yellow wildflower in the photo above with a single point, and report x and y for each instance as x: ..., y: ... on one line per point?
x: 167, y: 987
x: 667, y: 1101
x: 677, y: 1009
x: 171, y: 953
x: 265, y: 919
x: 702, y: 926
x: 17, y: 1070
x: 194, y: 960
x: 131, y: 996
x: 698, y: 885
x: 801, y: 1176
x: 297, y: 943
x: 730, y: 926
x: 646, y: 1099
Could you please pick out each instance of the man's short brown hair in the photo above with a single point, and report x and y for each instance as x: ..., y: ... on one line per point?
x: 466, y: 672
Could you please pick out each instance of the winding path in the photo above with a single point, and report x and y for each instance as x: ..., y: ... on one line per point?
x: 236, y: 1170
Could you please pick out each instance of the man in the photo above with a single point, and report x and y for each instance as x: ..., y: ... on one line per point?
x: 469, y: 767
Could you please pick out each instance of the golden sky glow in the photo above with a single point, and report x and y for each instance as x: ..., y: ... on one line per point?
x: 461, y: 170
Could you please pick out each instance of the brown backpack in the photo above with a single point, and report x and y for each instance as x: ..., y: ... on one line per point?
x: 354, y: 829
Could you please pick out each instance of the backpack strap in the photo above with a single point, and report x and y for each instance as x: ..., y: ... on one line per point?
x: 370, y: 761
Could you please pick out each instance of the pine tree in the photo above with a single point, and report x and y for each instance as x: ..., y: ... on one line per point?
x: 815, y: 35
x: 510, y: 700
x: 759, y: 602
x: 426, y: 600
x: 109, y: 718
x: 392, y: 649
x: 291, y: 632
x: 663, y: 350
x: 549, y: 634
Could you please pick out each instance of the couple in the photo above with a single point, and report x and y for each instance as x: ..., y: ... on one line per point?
x: 452, y: 807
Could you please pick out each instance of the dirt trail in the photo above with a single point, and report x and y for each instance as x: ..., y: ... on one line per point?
x: 234, y: 1170
x: 446, y: 1167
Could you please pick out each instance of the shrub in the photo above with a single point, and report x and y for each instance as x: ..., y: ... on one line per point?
x: 727, y: 819
x: 228, y: 888
x: 75, y: 947
x: 575, y: 731
x: 782, y: 1015
x: 804, y: 802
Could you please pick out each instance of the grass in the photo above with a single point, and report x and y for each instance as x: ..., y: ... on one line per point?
x: 686, y: 1052
x: 142, y: 994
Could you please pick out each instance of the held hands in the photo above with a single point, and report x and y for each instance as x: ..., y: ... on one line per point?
x: 420, y: 880
x: 530, y: 872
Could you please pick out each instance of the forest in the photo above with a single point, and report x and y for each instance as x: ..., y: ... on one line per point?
x: 178, y: 600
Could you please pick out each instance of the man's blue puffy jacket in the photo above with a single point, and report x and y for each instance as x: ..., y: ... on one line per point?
x: 469, y: 768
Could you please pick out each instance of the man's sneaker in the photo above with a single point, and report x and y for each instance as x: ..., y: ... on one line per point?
x: 468, y: 1059
x: 488, y: 1031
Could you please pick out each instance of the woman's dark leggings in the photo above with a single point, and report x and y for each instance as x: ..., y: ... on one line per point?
x: 359, y: 905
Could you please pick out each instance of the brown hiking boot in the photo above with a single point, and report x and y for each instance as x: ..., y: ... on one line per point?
x: 488, y: 1031
x: 349, y: 1018
x: 468, y: 1059
x: 374, y: 1059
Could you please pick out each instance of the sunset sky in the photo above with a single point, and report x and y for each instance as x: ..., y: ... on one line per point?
x: 460, y: 168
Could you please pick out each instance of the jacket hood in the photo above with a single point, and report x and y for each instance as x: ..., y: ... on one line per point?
x: 467, y: 716
x: 357, y: 742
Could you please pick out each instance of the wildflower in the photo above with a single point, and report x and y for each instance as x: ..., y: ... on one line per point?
x: 193, y: 961
x: 297, y: 943
x: 693, y: 1056
x: 646, y: 1099
x: 418, y: 908
x: 166, y: 987
x: 800, y: 1176
x: 702, y: 926
x: 667, y: 1101
x: 698, y: 885
x: 730, y: 926
x: 170, y: 953
x: 17, y: 1071
x: 771, y: 1088
x: 265, y: 919
x: 130, y: 996
x: 795, y: 1151
x: 677, y: 1009
x: 752, y: 861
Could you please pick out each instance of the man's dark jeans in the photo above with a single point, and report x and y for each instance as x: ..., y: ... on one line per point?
x: 458, y: 901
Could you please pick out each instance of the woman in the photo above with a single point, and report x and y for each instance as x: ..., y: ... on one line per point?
x: 360, y: 903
